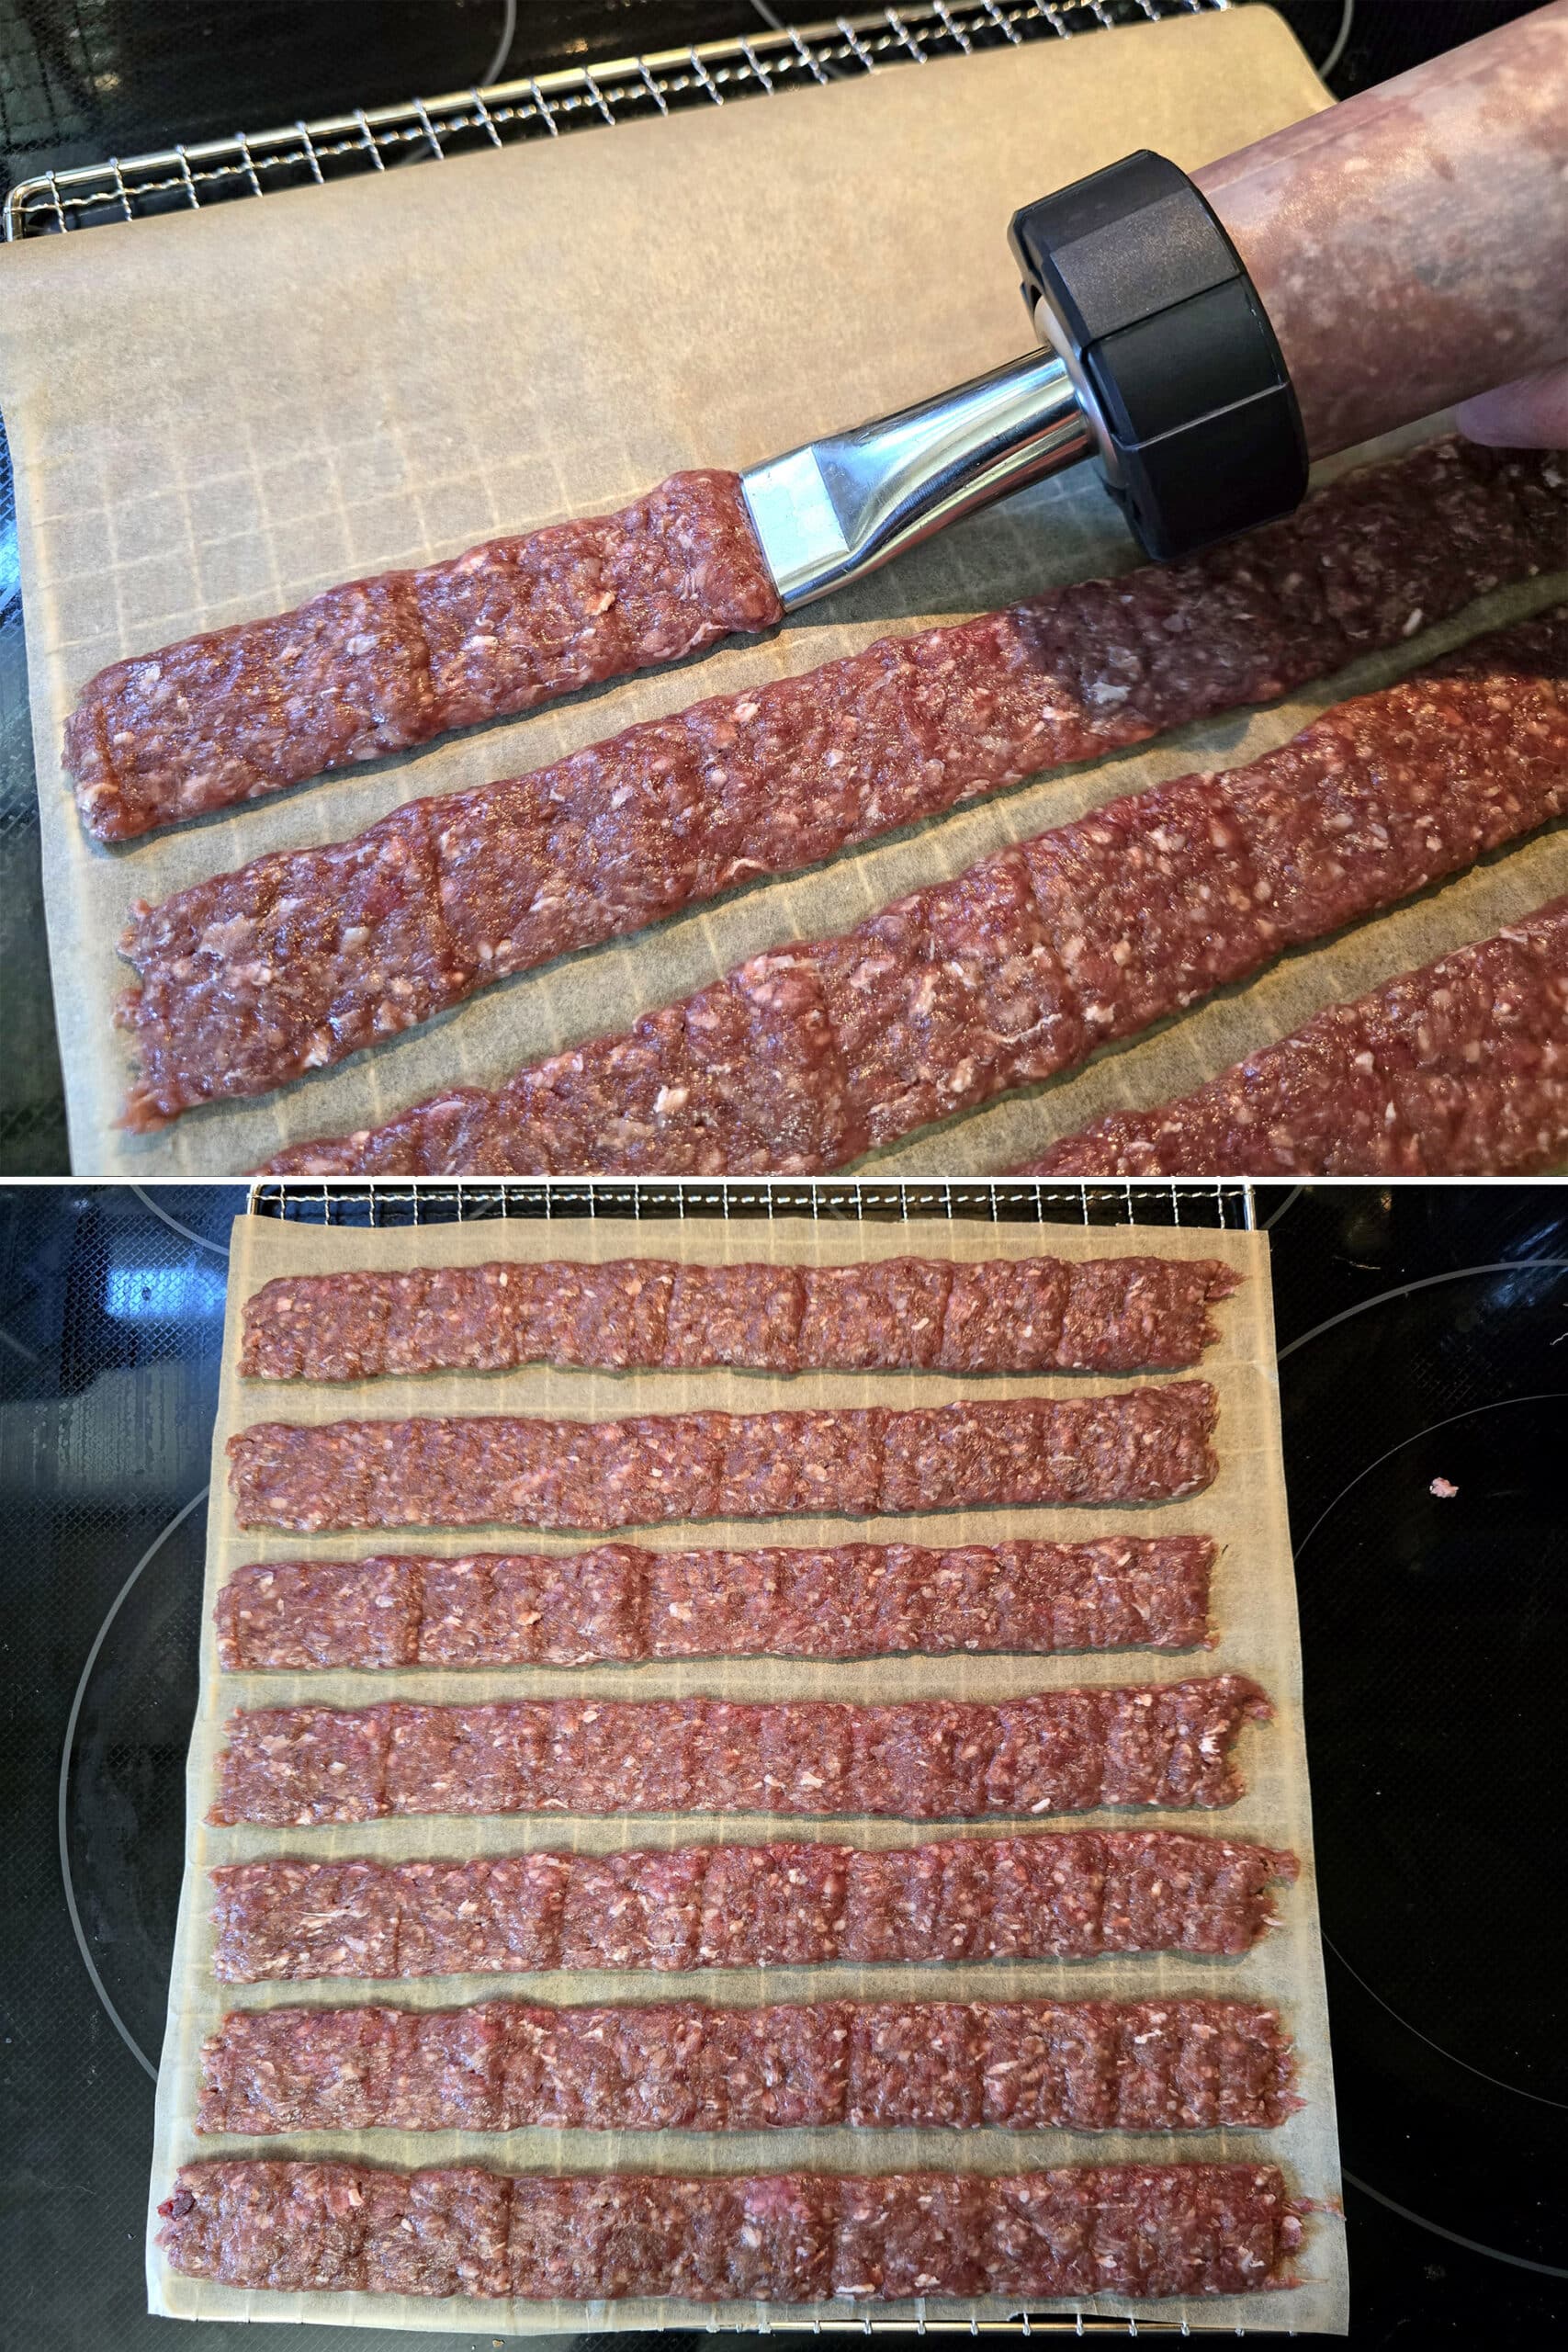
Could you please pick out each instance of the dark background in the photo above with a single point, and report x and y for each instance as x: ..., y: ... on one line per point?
x: 83, y: 80
x: 80, y: 79
x: 1423, y: 1332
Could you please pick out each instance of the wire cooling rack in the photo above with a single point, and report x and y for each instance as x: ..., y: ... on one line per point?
x: 1210, y: 1200
x: 1211, y: 1203
x: 380, y: 138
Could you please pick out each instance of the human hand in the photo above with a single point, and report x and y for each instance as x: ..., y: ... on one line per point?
x: 1530, y: 414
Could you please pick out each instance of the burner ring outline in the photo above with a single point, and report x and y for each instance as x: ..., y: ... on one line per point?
x: 113, y: 1609
x: 1546, y: 1396
x: 1428, y: 1282
x: 1403, y: 1290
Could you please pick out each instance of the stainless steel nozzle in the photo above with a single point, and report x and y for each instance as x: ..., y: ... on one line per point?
x: 836, y: 508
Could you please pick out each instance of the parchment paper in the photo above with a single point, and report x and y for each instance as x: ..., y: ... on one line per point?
x: 215, y: 415
x: 1254, y: 1608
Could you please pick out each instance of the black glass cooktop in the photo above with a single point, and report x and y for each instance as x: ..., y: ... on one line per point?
x: 1424, y: 1368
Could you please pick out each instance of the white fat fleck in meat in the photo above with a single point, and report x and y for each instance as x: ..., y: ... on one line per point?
x: 226, y: 939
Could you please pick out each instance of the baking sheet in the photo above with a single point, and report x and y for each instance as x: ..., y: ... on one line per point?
x: 215, y: 415
x: 1254, y: 1608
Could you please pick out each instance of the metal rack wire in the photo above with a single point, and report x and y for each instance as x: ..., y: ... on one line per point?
x: 1202, y: 1201
x: 250, y: 164
x: 1211, y: 1202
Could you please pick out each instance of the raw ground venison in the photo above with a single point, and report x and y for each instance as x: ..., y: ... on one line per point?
x: 1440, y: 281
x: 1458, y: 1070
x: 926, y: 1759
x: 619, y: 1603
x: 810, y: 1055
x: 1145, y: 1445
x: 1156, y: 2230
x: 381, y: 664
x: 304, y: 956
x: 1056, y: 1895
x: 890, y: 1315
x: 1177, y: 2066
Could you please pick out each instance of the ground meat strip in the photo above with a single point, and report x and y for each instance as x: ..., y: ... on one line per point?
x: 1059, y: 1751
x: 304, y: 956
x: 1145, y: 1445
x: 892, y: 1315
x: 1036, y: 957
x: 1157, y: 2230
x: 384, y: 663
x: 1176, y: 2065
x: 618, y: 1603
x: 1075, y: 1893
x: 1458, y: 1069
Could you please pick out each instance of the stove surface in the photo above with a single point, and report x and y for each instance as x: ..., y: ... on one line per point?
x: 1424, y: 1370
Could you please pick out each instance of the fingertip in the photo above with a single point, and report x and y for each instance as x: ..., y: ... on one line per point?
x: 1529, y: 414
